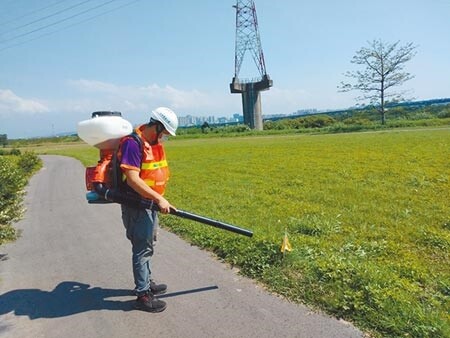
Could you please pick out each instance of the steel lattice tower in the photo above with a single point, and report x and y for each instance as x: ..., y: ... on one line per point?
x: 247, y: 39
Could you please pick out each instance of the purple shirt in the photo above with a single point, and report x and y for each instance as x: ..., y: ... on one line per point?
x: 131, y: 155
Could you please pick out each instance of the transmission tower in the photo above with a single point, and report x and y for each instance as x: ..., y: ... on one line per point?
x: 247, y: 39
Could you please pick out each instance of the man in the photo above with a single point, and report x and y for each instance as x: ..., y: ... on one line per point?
x: 145, y: 172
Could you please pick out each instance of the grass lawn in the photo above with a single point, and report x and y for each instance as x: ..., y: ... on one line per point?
x: 367, y: 214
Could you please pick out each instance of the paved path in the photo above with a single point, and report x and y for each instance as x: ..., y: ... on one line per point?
x: 69, y: 275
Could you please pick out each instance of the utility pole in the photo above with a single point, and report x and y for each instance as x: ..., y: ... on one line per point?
x: 247, y: 39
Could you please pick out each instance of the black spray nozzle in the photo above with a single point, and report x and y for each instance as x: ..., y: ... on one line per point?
x: 139, y: 202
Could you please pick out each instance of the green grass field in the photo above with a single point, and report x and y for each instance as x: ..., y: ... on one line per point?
x: 367, y: 214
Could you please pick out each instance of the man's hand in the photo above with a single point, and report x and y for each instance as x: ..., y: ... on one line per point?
x: 164, y: 205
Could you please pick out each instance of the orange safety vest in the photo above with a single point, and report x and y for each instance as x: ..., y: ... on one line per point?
x: 154, y: 168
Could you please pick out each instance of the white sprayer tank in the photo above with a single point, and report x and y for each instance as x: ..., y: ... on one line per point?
x: 104, y: 129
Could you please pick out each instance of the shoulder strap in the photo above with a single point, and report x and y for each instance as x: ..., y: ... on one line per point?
x: 136, y: 137
x: 117, y: 173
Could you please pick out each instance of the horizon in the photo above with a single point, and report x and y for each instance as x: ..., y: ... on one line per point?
x: 271, y: 117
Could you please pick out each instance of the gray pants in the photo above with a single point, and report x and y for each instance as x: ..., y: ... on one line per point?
x: 140, y: 225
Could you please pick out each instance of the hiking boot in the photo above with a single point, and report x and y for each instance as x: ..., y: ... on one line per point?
x: 157, y: 289
x: 147, y: 302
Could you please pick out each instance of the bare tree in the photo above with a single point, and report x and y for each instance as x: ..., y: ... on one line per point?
x: 383, y: 69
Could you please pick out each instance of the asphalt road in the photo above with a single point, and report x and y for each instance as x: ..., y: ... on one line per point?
x: 69, y: 275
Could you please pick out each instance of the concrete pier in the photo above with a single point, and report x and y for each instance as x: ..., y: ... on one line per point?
x: 251, y: 99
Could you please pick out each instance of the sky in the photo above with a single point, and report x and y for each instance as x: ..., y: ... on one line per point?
x: 61, y: 60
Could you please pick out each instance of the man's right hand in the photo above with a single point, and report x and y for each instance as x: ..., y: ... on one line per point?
x: 165, y: 206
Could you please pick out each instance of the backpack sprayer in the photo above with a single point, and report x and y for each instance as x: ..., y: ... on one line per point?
x: 104, y: 131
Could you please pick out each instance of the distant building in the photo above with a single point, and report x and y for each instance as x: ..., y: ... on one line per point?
x: 238, y: 118
x: 306, y: 111
x: 190, y: 121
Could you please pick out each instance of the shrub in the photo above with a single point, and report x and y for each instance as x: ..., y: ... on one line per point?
x: 29, y: 162
x: 11, y: 191
x: 15, y: 152
x: 318, y: 121
x: 357, y: 121
x: 14, y: 173
x: 423, y: 115
x: 444, y: 113
x: 269, y: 125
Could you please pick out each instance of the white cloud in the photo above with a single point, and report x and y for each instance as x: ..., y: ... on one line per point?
x: 135, y: 102
x: 138, y: 99
x: 10, y: 104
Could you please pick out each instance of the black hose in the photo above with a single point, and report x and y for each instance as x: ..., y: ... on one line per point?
x: 138, y: 202
x: 212, y: 222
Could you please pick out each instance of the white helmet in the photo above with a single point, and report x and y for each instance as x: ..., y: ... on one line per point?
x: 167, y: 117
